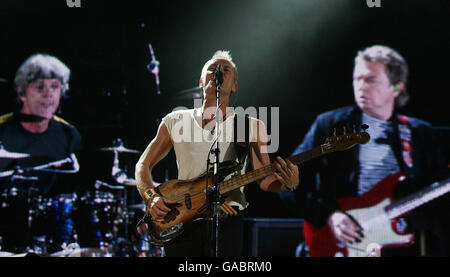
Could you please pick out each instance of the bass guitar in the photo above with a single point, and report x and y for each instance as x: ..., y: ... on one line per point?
x: 191, y: 195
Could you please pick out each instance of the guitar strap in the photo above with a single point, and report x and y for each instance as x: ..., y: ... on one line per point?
x: 242, y: 137
x: 404, y: 130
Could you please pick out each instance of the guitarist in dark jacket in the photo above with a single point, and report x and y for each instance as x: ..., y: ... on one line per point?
x: 398, y: 144
x: 175, y: 132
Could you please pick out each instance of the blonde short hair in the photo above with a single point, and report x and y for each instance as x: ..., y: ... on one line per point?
x: 220, y: 55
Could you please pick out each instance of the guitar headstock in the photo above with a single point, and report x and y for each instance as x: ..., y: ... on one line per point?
x: 344, y: 142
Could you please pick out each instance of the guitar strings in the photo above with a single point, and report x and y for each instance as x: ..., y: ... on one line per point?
x: 256, y: 175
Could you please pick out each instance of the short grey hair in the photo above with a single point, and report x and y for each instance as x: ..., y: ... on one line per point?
x: 220, y: 55
x: 41, y: 66
x: 396, y: 67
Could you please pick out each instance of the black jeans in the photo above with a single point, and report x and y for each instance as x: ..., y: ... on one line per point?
x: 196, y: 241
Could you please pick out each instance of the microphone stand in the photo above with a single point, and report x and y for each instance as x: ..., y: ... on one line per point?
x: 214, y: 194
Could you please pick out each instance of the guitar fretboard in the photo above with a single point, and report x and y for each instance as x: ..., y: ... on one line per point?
x: 258, y: 174
x: 417, y: 199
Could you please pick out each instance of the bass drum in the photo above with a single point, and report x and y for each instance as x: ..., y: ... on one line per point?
x: 14, y: 227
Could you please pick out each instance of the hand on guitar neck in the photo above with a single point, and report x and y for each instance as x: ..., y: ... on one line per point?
x: 344, y: 228
x: 286, y: 173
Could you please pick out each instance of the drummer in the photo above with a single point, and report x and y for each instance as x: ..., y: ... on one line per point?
x: 34, y: 129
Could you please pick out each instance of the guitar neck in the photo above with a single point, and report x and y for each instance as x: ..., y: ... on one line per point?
x: 418, y: 199
x: 261, y: 173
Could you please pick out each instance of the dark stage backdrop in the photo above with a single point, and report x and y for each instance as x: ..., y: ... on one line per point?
x: 295, y: 55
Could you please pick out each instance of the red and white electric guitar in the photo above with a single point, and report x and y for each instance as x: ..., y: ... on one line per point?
x: 377, y: 214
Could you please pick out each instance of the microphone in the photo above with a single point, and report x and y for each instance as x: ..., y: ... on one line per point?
x: 153, y: 67
x: 218, y: 76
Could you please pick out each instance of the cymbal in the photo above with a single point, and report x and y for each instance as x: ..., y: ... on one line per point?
x: 120, y: 149
x: 132, y: 182
x: 12, y: 155
x: 6, y: 254
x: 190, y: 90
x: 192, y: 93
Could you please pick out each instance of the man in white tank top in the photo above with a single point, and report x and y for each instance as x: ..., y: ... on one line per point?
x: 191, y: 133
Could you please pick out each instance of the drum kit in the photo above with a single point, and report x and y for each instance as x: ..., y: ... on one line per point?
x: 98, y: 223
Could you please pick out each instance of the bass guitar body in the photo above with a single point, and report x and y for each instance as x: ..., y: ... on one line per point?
x: 191, y: 204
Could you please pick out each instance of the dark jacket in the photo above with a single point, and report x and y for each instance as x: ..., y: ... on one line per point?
x: 335, y: 175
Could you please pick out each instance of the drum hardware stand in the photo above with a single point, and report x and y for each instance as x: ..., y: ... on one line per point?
x: 122, y: 212
x: 121, y: 177
x: 98, y: 185
x: 72, y: 159
x: 37, y: 245
x: 15, y: 173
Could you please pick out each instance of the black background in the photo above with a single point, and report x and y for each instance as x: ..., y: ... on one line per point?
x: 296, y: 55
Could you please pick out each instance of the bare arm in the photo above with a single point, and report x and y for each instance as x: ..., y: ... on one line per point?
x: 155, y: 152
x: 287, y: 175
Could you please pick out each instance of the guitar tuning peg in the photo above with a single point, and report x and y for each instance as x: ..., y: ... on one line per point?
x: 334, y: 132
x: 364, y: 127
x: 354, y: 128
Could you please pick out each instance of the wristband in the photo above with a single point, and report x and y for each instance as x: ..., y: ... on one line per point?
x: 148, y: 194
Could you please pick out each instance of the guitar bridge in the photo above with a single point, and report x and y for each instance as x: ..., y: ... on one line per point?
x: 171, y: 231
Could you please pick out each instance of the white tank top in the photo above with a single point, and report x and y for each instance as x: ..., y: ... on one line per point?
x: 192, y: 144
